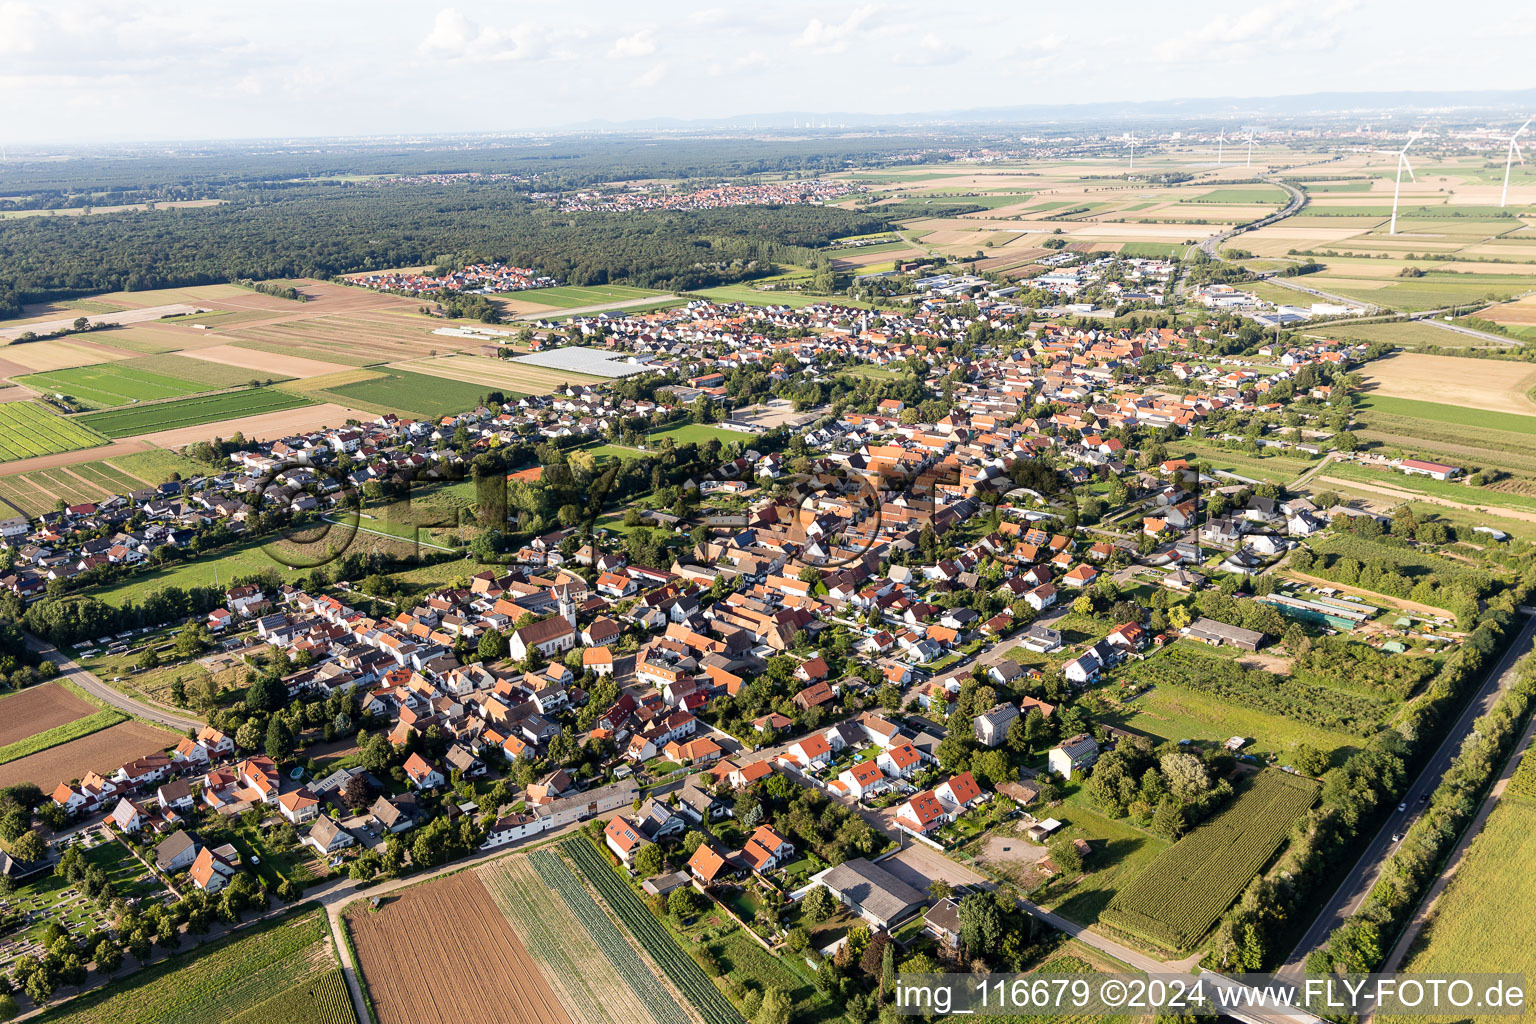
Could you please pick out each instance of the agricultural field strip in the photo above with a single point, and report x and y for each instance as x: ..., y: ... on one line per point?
x: 585, y: 977
x: 1177, y: 898
x: 653, y: 937
x: 203, y: 986
x: 27, y: 429
x: 555, y: 876
x: 188, y: 412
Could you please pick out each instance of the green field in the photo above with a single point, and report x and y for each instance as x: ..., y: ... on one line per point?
x: 1456, y: 414
x: 698, y: 433
x: 1121, y: 852
x: 410, y: 394
x: 1429, y: 292
x: 28, y: 429
x: 1153, y: 250
x: 1174, y: 902
x: 1483, y: 917
x: 751, y: 296
x: 144, y: 379
x: 61, y: 734
x: 1436, y: 488
x: 1274, y: 468
x: 189, y: 412
x: 572, y: 296
x: 222, y: 567
x: 1171, y: 713
x: 1409, y: 334
x: 278, y: 972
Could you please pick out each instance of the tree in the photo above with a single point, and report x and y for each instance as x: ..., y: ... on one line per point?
x: 1169, y: 820
x: 775, y: 1009
x: 357, y: 792
x: 29, y: 846
x: 682, y: 903
x: 375, y: 754
x: 248, y: 736
x: 493, y: 645
x: 108, y: 956
x: 648, y: 861
x: 818, y: 905
x: 980, y: 923
x: 1187, y: 776
x: 1065, y: 855
x: 1308, y: 760
x: 279, y: 744
x: 8, y: 1008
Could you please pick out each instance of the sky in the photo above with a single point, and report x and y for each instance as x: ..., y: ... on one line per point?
x: 81, y: 72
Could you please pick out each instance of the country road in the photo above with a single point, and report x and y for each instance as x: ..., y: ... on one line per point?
x: 1357, y: 883
x: 93, y: 685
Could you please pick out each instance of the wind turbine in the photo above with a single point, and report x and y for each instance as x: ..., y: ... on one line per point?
x: 1250, y: 147
x: 1133, y: 150
x: 1402, y: 162
x: 1514, y: 149
x: 1220, y: 141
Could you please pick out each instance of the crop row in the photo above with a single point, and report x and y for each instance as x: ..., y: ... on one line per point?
x: 679, y: 966
x: 322, y: 1000
x: 584, y: 975
x: 1180, y: 894
x: 608, y: 937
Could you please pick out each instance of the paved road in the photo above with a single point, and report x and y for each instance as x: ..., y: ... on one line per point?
x: 1429, y: 317
x: 1358, y: 882
x: 93, y: 685
x: 1405, y: 941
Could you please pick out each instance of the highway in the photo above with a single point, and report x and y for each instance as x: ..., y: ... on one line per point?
x: 93, y: 685
x: 1362, y: 876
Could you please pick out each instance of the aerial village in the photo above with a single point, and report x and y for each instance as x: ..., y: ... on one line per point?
x: 860, y: 623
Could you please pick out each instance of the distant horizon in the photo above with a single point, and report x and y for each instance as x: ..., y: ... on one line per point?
x: 76, y: 74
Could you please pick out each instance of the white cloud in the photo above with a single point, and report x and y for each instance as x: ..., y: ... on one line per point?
x: 753, y: 61
x: 1259, y: 31
x: 821, y: 37
x: 454, y: 37
x: 651, y: 78
x: 638, y: 44
x: 932, y: 52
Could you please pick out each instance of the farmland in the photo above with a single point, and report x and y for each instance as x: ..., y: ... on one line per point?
x: 27, y: 430
x: 59, y: 734
x: 652, y: 936
x: 1172, y: 713
x: 1484, y: 385
x: 1174, y: 902
x: 146, y: 378
x: 572, y: 297
x: 510, y: 377
x: 409, y: 980
x: 38, y: 709
x: 281, y: 972
x: 405, y: 393
x: 585, y: 976
x: 1483, y: 916
x: 187, y: 412
x: 101, y: 751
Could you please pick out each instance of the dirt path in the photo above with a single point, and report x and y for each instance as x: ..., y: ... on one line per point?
x: 1371, y: 595
x: 104, y: 451
x: 1430, y: 499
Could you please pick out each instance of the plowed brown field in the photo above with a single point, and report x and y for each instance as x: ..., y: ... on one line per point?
x: 37, y: 710
x: 443, y: 954
x: 103, y: 751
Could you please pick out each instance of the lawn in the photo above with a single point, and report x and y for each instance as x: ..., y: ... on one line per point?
x: 570, y: 297
x: 276, y: 971
x: 698, y: 433
x: 28, y: 429
x: 1172, y: 713
x: 189, y: 412
x: 222, y: 568
x: 1273, y: 468
x: 410, y: 394
x: 1119, y: 851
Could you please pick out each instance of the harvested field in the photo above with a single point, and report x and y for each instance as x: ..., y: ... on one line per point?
x: 23, y: 466
x: 353, y: 339
x: 102, y: 751
x: 144, y: 378
x: 38, y: 709
x: 262, y: 427
x: 59, y: 354
x: 523, y: 378
x: 413, y: 982
x: 1520, y: 313
x: 1482, y: 384
x: 264, y: 364
x: 127, y: 316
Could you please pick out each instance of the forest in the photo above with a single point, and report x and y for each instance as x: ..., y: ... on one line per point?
x: 319, y: 231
